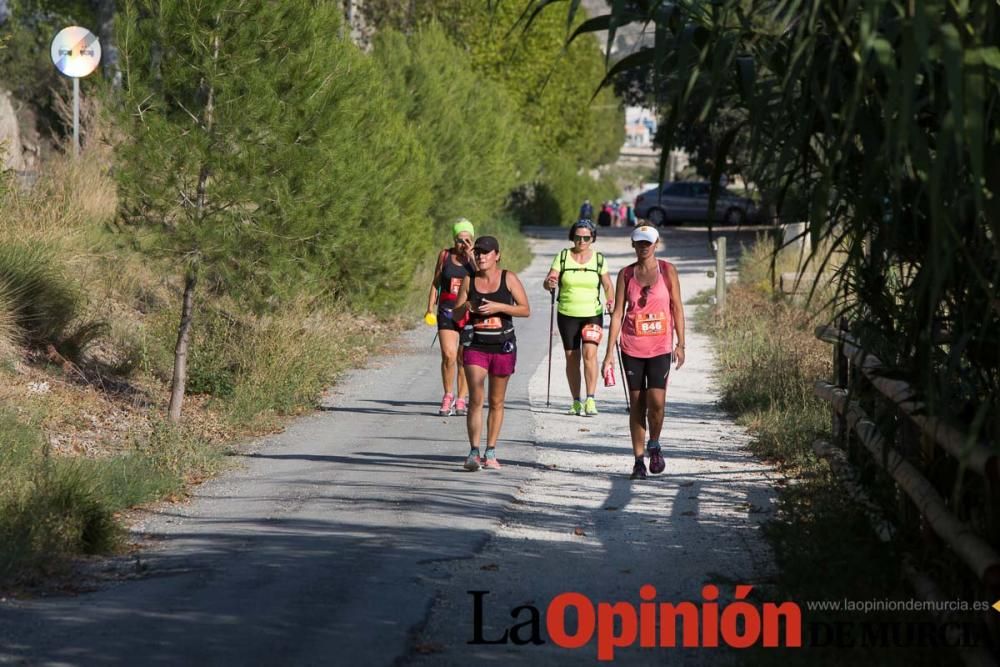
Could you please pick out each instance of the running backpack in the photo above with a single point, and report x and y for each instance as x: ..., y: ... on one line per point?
x: 563, y: 269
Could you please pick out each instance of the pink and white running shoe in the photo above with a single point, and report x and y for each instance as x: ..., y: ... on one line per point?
x: 490, y: 460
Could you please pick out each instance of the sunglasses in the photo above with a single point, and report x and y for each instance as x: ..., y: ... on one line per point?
x: 479, y: 251
x: 583, y: 239
x: 642, y: 244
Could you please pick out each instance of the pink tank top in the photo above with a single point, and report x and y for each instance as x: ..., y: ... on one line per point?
x: 648, y: 330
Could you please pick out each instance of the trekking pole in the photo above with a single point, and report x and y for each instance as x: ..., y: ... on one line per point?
x: 552, y: 313
x: 621, y: 362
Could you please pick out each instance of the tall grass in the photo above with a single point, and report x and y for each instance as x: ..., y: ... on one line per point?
x: 47, y: 232
x: 42, y: 299
x: 70, y: 199
x: 10, y: 334
x: 768, y: 361
x: 285, y: 360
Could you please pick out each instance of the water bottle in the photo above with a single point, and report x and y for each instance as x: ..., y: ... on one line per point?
x: 609, y: 376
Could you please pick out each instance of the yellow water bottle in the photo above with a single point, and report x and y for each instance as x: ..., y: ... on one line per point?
x: 430, y: 319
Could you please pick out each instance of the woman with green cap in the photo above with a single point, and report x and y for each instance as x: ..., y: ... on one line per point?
x: 453, y: 266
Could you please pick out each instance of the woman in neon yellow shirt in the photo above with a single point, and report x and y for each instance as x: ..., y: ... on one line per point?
x: 579, y: 273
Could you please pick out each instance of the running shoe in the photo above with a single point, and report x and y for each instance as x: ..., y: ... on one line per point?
x: 490, y: 460
x: 638, y: 470
x: 461, y: 407
x: 472, y: 461
x: 446, y: 405
x: 576, y: 409
x: 656, y: 462
x: 590, y: 407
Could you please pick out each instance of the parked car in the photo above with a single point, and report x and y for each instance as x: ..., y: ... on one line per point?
x: 687, y: 201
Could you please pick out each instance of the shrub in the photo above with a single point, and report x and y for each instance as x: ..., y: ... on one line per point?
x: 52, y: 508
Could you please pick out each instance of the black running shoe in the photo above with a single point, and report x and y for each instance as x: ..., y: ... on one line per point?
x: 639, y: 470
x: 656, y: 462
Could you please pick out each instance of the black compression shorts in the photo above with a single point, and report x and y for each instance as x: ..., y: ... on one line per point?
x: 570, y: 329
x: 642, y: 373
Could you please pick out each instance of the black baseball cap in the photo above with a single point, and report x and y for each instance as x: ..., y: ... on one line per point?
x: 487, y: 244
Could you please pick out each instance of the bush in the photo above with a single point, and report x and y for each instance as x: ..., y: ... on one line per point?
x: 53, y: 508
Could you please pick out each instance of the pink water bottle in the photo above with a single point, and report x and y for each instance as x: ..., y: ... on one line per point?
x: 609, y: 376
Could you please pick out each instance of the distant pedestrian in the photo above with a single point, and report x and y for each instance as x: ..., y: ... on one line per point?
x: 630, y: 218
x: 604, y: 216
x: 649, y: 316
x: 491, y: 298
x: 586, y: 210
x: 580, y: 272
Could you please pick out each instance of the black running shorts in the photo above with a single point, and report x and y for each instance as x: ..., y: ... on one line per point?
x: 570, y: 329
x: 642, y: 374
x: 445, y: 323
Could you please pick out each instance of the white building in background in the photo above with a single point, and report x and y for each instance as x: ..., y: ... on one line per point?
x: 640, y: 133
x: 640, y: 127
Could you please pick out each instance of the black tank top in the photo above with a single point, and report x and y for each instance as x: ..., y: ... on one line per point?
x: 492, y: 333
x: 451, y: 280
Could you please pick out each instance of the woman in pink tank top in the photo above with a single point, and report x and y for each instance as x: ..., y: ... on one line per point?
x: 649, y: 317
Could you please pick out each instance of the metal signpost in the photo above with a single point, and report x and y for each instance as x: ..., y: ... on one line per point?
x: 76, y: 52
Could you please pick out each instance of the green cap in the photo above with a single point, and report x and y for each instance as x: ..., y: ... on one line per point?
x: 462, y: 225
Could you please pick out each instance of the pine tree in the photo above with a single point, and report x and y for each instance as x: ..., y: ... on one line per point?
x: 254, y: 132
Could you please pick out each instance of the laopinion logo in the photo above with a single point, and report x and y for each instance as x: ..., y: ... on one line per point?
x: 573, y: 620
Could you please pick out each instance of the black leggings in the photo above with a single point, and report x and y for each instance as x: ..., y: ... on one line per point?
x: 571, y: 329
x: 642, y: 373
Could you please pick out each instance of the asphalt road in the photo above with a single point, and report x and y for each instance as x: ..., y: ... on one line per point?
x: 351, y: 537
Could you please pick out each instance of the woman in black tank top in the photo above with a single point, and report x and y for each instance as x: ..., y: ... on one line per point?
x: 454, y: 265
x: 492, y: 298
